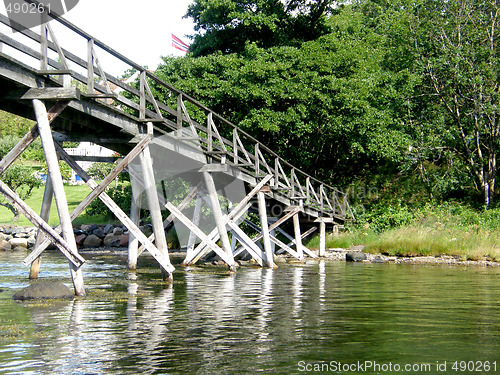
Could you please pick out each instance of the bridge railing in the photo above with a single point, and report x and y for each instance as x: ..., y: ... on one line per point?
x: 178, y: 112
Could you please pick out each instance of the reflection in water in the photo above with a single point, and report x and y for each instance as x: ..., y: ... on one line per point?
x: 256, y: 320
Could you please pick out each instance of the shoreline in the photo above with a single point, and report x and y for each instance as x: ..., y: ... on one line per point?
x: 339, y: 254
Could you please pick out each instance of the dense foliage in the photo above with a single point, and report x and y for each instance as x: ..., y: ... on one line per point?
x: 390, y: 93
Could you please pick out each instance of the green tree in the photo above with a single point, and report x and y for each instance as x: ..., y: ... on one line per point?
x: 228, y: 25
x: 323, y: 105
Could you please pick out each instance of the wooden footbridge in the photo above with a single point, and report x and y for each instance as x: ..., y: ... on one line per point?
x: 73, y: 98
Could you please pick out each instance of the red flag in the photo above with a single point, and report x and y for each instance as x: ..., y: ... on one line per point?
x: 179, y: 44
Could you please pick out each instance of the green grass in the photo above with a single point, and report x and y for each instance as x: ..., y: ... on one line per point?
x: 74, y: 194
x: 443, y: 230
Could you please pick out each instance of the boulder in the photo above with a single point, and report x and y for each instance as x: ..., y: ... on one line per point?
x: 5, y: 245
x: 19, y: 242
x: 379, y: 260
x: 111, y: 240
x: 108, y: 229
x: 92, y: 241
x: 355, y: 256
x: 31, y: 241
x: 44, y: 290
x: 80, y: 239
x: 118, y: 231
x: 99, y: 233
x: 124, y: 240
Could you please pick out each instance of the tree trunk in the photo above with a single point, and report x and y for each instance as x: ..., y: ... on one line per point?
x: 12, y: 209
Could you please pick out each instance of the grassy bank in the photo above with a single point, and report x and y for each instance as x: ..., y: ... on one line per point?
x: 75, y: 194
x: 443, y: 230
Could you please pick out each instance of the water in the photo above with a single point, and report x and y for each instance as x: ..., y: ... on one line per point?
x: 315, y: 316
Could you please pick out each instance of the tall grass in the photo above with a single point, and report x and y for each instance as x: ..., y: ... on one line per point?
x: 448, y: 229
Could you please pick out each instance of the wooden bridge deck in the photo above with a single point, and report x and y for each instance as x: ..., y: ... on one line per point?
x: 89, y: 104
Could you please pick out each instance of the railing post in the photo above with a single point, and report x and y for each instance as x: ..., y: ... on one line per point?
x: 210, y: 145
x: 179, y: 115
x: 44, y: 43
x: 235, y: 146
x: 90, y: 66
x: 257, y: 160
x: 142, y: 95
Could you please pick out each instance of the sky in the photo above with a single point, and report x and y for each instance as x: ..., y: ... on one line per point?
x: 140, y: 30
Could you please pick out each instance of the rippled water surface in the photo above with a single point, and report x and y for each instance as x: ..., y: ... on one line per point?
x: 300, y: 317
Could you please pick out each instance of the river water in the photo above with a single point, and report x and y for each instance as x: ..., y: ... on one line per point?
x: 317, y: 317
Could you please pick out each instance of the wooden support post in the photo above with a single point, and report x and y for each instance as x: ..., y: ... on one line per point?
x: 219, y: 220
x: 238, y: 211
x: 154, y: 208
x: 335, y: 230
x: 59, y: 194
x: 196, y: 221
x: 135, y: 216
x: 298, y: 237
x: 322, y: 234
x: 44, y: 214
x: 261, y: 198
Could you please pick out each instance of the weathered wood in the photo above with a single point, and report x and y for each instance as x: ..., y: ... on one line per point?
x: 120, y: 215
x: 52, y: 93
x: 322, y: 234
x: 40, y: 224
x: 44, y: 215
x: 298, y: 238
x: 196, y: 221
x: 59, y: 194
x: 265, y: 230
x: 154, y: 208
x: 220, y: 224
x: 239, y: 210
x: 17, y: 150
x: 250, y: 246
x: 197, y: 231
x: 135, y: 216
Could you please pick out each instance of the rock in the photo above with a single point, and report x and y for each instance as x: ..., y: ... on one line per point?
x: 80, y: 239
x: 99, y: 233
x: 379, y: 260
x: 85, y: 227
x: 111, y: 240
x: 44, y: 290
x: 124, y: 240
x: 355, y: 256
x: 5, y: 245
x: 108, y: 229
x: 118, y: 231
x: 92, y: 241
x: 19, y: 242
x: 31, y: 241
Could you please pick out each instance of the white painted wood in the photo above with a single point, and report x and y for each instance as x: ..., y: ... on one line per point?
x: 44, y: 215
x: 154, y: 207
x: 298, y: 238
x: 59, y: 194
x: 322, y: 234
x: 221, y: 225
x: 196, y: 222
x: 247, y: 243
x: 135, y: 216
x: 40, y: 224
x: 269, y: 259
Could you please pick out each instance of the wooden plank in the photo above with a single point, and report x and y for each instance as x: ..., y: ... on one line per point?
x: 17, y: 150
x: 135, y: 216
x: 120, y: 215
x: 196, y: 221
x: 52, y: 93
x: 198, y: 232
x: 235, y: 214
x: 219, y: 220
x: 255, y: 251
x: 154, y: 208
x: 265, y: 229
x: 322, y: 235
x: 44, y: 215
x: 37, y: 221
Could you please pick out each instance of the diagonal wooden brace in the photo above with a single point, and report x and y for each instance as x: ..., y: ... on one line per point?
x: 235, y: 214
x: 60, y: 242
x: 122, y: 216
x: 29, y: 138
